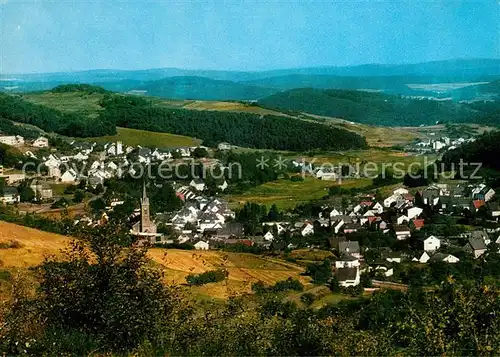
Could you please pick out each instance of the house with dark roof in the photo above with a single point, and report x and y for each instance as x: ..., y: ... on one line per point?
x: 444, y: 257
x: 350, y: 248
x: 493, y: 209
x: 401, y: 231
x: 348, y: 276
x: 476, y: 246
x: 347, y: 261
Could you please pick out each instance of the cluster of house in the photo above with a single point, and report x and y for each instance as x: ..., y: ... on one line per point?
x: 460, y: 199
x: 437, y: 145
x: 327, y: 171
x: 87, y: 162
x: 17, y: 140
x: 208, y: 222
x: 111, y: 162
x: 41, y: 189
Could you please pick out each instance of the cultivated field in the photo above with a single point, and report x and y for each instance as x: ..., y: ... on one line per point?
x: 244, y: 269
x: 35, y: 245
x: 75, y: 102
x: 134, y: 137
x: 287, y: 194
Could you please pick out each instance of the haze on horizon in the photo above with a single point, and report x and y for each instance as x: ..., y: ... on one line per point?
x: 59, y: 36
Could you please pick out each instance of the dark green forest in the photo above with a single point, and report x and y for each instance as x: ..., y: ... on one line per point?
x: 486, y: 149
x: 378, y: 109
x: 9, y: 128
x: 51, y: 120
x: 242, y: 129
x: 86, y: 88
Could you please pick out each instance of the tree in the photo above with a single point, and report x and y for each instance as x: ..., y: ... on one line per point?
x: 26, y: 193
x: 320, y: 273
x: 79, y: 196
x: 200, y: 152
x: 334, y: 284
x: 95, y: 290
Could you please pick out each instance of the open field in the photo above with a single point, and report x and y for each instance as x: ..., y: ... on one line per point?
x: 287, y: 194
x: 134, y: 137
x: 75, y: 102
x: 244, y: 269
x: 230, y: 107
x: 35, y: 245
x: 376, y: 156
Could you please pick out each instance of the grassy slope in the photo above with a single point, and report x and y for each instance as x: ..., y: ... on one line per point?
x: 76, y: 102
x: 244, y: 269
x: 134, y: 137
x: 287, y: 194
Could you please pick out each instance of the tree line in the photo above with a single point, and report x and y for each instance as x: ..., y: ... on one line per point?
x: 213, y: 127
x: 16, y: 109
x: 379, y: 109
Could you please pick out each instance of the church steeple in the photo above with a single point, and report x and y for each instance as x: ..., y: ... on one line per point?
x: 145, y: 199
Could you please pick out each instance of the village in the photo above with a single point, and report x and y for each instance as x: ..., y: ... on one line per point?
x: 206, y: 221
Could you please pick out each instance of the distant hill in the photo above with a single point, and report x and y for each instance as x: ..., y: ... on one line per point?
x: 464, y: 69
x: 485, y: 91
x: 201, y: 88
x: 369, y: 108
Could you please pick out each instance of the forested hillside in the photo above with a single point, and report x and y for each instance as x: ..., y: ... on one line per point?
x: 51, y: 120
x: 213, y: 127
x: 485, y: 150
x: 242, y: 129
x: 370, y: 108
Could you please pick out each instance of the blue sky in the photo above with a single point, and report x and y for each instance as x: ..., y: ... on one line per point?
x: 52, y: 36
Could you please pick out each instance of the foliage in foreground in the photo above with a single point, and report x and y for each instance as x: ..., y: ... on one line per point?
x: 103, y: 298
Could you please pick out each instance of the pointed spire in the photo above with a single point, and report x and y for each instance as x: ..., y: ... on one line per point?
x: 144, y: 196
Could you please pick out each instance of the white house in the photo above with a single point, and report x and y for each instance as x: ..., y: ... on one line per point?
x: 431, y: 244
x: 183, y: 238
x: 477, y: 246
x: 80, y: 157
x: 391, y: 199
x: 268, y: 236
x: 402, y: 232
x: 307, y: 229
x: 424, y: 258
x: 326, y: 174
x: 447, y: 258
x: 347, y: 261
x: 378, y: 207
x: 402, y: 219
x: 201, y: 245
x: 414, y: 212
x: 12, y: 140
x: 41, y: 142
x: 69, y: 176
x: 400, y: 191
x: 9, y: 195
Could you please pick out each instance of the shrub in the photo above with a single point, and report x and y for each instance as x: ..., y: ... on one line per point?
x: 211, y: 276
x: 307, y: 298
x: 11, y: 244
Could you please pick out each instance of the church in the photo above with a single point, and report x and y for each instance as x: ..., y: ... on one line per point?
x: 145, y: 227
